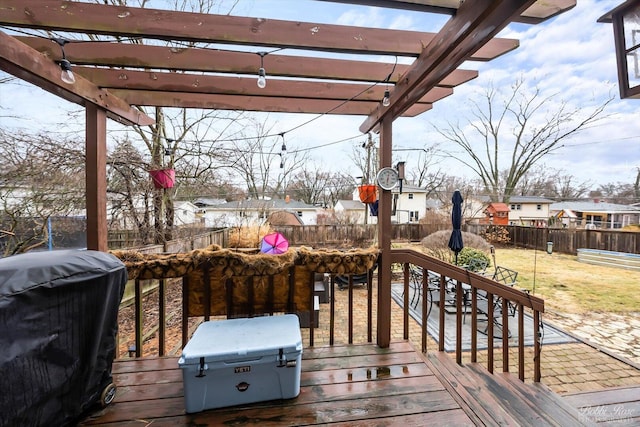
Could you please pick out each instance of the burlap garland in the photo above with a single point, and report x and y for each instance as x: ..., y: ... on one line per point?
x: 354, y: 261
x: 247, y: 284
x: 230, y: 263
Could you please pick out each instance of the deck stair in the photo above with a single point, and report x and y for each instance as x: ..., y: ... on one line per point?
x: 503, y: 398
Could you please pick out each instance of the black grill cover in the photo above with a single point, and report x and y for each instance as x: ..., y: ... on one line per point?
x: 58, y: 322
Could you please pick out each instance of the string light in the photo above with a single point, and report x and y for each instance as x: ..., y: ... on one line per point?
x: 385, y: 100
x: 66, y: 75
x: 284, y: 146
x: 262, y: 75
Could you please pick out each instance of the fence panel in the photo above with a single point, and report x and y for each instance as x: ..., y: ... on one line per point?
x: 566, y: 240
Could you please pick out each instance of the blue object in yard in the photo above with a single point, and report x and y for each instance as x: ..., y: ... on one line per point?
x: 549, y: 248
x: 455, y: 241
x: 373, y: 208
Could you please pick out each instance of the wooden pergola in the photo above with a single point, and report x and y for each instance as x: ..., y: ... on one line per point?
x: 113, y: 78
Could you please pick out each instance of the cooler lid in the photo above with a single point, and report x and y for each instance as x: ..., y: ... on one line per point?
x: 228, y: 340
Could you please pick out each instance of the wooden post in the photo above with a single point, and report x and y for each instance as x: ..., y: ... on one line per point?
x: 96, y: 177
x: 384, y: 240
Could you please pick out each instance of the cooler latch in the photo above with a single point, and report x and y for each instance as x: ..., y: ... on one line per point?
x: 283, y: 362
x: 203, y: 367
x: 282, y: 359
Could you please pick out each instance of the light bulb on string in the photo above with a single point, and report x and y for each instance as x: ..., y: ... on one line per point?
x: 385, y: 100
x: 284, y: 146
x: 66, y: 75
x: 262, y: 74
x: 262, y: 78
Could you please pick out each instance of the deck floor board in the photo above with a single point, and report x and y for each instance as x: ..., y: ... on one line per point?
x: 344, y: 385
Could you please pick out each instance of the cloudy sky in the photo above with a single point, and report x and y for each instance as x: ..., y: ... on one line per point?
x: 570, y: 58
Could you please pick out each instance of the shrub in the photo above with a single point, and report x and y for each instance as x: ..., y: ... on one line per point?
x: 437, y: 244
x: 248, y: 236
x: 467, y: 254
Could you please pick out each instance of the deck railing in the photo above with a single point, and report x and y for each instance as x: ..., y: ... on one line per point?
x: 467, y: 288
x: 467, y: 300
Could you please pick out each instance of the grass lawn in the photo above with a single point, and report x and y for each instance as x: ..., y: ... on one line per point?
x: 570, y: 286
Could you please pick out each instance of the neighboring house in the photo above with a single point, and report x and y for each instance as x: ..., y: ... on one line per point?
x: 496, y: 214
x: 595, y: 214
x: 529, y: 211
x: 351, y: 212
x: 256, y: 212
x: 185, y: 213
x: 408, y: 206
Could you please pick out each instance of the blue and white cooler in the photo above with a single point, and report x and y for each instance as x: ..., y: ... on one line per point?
x: 238, y: 361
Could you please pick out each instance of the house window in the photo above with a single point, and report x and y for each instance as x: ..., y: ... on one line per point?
x: 410, y: 195
x: 539, y: 207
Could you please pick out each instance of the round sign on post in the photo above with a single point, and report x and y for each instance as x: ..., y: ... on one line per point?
x: 387, y: 178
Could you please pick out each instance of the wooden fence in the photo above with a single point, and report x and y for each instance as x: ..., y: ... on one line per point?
x: 186, y: 239
x: 357, y: 235
x: 566, y: 240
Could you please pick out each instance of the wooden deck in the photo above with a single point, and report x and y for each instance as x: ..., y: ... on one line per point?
x: 619, y: 406
x: 348, y: 385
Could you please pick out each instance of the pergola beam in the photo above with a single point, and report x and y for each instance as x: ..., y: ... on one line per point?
x: 257, y: 103
x: 215, y: 61
x: 209, y: 28
x: 474, y: 24
x: 27, y: 64
x: 230, y: 85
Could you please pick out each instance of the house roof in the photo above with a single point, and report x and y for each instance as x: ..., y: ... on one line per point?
x: 204, y: 201
x: 273, y: 204
x: 409, y: 188
x: 590, y: 206
x: 520, y: 199
x: 351, y: 204
x: 497, y: 207
x: 184, y: 204
x: 284, y: 218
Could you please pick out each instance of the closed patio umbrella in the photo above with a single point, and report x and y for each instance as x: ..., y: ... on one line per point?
x: 455, y: 241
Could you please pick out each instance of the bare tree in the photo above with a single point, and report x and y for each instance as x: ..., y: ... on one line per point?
x: 40, y: 178
x: 618, y: 192
x: 365, y: 157
x: 261, y: 163
x: 424, y: 172
x: 173, y: 130
x: 519, y: 124
x: 554, y: 184
x: 129, y: 191
x: 314, y: 186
